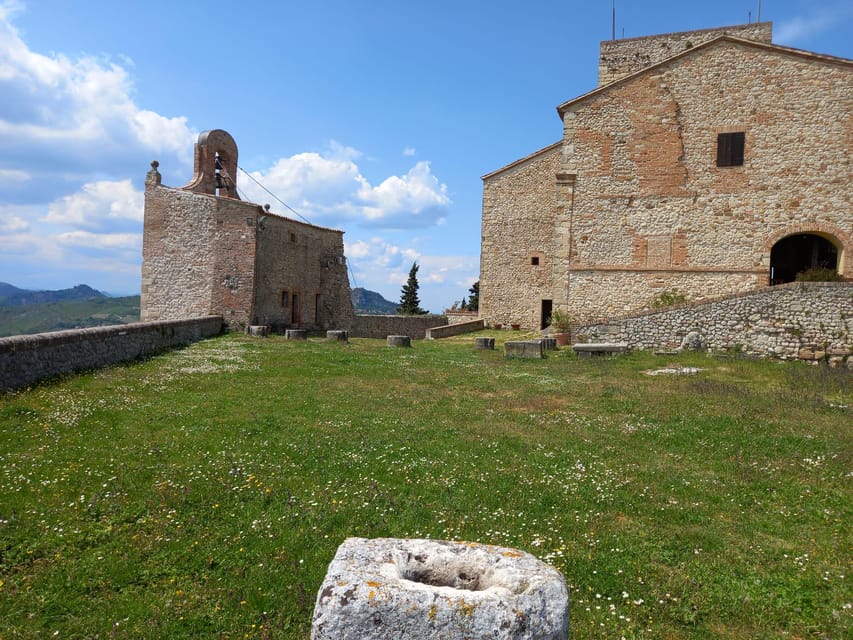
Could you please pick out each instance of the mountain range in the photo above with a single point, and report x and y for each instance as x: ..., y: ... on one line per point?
x: 25, y: 312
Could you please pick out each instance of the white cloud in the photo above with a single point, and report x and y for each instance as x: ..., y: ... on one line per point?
x: 409, y: 151
x: 98, y: 205
x: 76, y: 115
x: 823, y: 19
x: 100, y: 241
x: 330, y: 189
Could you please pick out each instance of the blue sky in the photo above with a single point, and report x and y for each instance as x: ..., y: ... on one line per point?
x: 375, y: 117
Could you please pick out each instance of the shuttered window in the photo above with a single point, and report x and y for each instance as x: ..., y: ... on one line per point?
x: 730, y: 149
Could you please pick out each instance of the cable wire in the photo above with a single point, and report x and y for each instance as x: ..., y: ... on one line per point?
x: 289, y: 208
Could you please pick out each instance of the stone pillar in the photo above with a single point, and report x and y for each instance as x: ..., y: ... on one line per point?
x: 417, y: 589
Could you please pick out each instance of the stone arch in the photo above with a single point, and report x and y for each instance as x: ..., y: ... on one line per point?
x: 215, y: 165
x: 799, y: 247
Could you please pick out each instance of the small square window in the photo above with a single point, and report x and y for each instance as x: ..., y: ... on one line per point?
x: 730, y: 149
x: 534, y: 261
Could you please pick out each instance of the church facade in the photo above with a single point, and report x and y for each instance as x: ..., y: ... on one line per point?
x: 207, y: 252
x: 705, y: 163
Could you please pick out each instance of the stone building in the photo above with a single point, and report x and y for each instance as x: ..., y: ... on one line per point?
x: 705, y: 163
x: 207, y: 252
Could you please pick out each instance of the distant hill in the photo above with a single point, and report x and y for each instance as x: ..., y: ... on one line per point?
x: 11, y: 295
x: 370, y: 302
x: 27, y: 312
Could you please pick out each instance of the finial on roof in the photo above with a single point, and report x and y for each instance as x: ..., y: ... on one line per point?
x: 153, y: 177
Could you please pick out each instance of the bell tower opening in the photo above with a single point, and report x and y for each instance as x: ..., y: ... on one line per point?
x: 801, y: 252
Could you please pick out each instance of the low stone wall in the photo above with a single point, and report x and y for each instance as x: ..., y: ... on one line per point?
x: 455, y: 329
x: 28, y: 359
x: 811, y: 321
x: 371, y: 326
x: 458, y: 317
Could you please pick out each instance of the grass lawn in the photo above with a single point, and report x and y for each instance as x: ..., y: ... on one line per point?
x: 203, y: 492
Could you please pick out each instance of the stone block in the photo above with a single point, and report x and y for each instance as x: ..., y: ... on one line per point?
x: 399, y: 341
x: 587, y: 350
x: 258, y: 330
x: 296, y: 334
x: 418, y: 589
x: 484, y: 343
x: 524, y: 349
x: 549, y: 344
x: 340, y: 336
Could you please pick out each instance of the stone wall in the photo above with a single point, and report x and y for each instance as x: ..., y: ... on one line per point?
x: 619, y: 58
x: 375, y: 326
x: 301, y: 279
x: 811, y: 321
x: 518, y: 247
x: 25, y: 360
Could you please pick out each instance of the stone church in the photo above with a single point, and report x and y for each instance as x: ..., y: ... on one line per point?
x: 207, y: 252
x: 705, y: 163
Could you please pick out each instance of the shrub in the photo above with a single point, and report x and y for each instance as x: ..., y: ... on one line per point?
x: 819, y: 274
x: 667, y: 299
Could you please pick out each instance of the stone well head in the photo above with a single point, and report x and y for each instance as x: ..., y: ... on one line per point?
x: 416, y: 589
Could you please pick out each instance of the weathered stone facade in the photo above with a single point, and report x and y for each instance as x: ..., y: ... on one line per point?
x: 206, y: 252
x: 637, y: 198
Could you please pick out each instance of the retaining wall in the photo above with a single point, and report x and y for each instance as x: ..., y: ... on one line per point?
x: 30, y: 358
x: 371, y: 326
x: 810, y: 321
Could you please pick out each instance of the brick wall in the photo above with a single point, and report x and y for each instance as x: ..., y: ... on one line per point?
x: 797, y: 320
x: 25, y: 360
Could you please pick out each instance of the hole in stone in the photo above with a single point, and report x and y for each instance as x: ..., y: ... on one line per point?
x: 447, y: 576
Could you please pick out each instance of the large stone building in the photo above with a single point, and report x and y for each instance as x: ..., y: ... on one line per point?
x: 207, y: 252
x: 705, y: 163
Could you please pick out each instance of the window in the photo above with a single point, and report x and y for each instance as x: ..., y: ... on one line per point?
x: 730, y: 149
x: 293, y: 237
x: 534, y: 261
x: 285, y: 298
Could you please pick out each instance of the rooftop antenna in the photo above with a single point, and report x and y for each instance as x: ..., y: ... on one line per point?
x: 613, y: 25
x: 758, y: 17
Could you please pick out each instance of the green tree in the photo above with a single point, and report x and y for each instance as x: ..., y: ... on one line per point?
x: 474, y: 298
x: 409, y: 303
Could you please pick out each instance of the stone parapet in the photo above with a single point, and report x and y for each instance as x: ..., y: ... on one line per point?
x: 25, y: 360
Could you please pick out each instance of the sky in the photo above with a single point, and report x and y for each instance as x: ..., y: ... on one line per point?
x: 371, y: 116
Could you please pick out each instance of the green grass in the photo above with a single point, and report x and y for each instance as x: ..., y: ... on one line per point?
x: 202, y: 493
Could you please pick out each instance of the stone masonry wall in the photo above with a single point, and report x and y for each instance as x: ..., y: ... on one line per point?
x: 649, y: 198
x: 619, y: 58
x: 27, y: 359
x: 375, y: 326
x: 177, y: 264
x: 301, y: 276
x: 812, y: 321
x: 519, y: 216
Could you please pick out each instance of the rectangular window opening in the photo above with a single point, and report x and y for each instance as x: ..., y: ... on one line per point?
x: 285, y: 298
x: 730, y: 149
x: 534, y: 261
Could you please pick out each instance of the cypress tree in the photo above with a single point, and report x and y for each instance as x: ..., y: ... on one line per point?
x: 409, y: 303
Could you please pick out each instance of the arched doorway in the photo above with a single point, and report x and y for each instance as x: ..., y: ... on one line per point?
x: 800, y: 252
